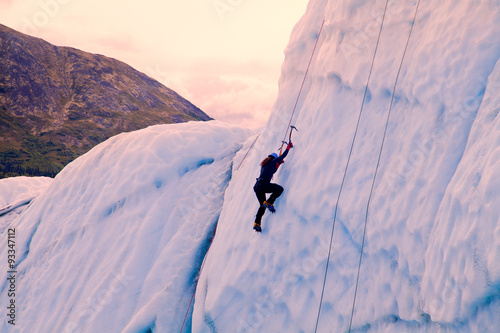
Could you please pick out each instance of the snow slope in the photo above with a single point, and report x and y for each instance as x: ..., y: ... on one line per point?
x: 16, y: 193
x: 18, y: 189
x: 431, y: 256
x: 116, y: 241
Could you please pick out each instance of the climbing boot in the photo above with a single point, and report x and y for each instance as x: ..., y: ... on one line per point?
x: 257, y: 227
x: 269, y: 206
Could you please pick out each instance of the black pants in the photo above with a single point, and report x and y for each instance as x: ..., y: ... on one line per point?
x: 261, y: 188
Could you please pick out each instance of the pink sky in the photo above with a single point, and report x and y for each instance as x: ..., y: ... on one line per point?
x: 224, y: 56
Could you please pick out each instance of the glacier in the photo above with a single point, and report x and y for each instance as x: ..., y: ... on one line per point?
x: 115, y: 241
x: 125, y: 235
x: 431, y: 257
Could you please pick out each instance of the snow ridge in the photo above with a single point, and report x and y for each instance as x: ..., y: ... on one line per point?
x: 116, y: 241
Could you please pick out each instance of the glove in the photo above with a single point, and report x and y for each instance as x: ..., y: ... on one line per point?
x: 290, y: 145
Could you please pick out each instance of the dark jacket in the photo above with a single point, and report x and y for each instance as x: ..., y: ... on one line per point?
x: 268, y: 170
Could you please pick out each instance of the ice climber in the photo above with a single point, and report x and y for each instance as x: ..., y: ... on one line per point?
x: 263, y: 185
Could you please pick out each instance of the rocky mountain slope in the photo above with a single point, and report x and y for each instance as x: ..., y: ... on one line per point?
x: 58, y: 102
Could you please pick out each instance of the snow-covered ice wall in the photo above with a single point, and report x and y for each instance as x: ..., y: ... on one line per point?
x: 432, y: 252
x: 115, y: 242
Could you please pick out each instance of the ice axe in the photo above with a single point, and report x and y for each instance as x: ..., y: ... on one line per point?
x: 291, y: 130
x: 289, y: 137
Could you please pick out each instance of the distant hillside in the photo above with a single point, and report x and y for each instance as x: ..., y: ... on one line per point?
x: 58, y: 102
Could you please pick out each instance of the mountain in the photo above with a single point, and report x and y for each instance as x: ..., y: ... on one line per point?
x: 58, y: 102
x: 388, y: 219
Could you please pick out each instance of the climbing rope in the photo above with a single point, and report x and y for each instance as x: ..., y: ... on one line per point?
x: 248, y: 152
x: 347, y: 164
x: 301, y: 86
x: 379, y: 158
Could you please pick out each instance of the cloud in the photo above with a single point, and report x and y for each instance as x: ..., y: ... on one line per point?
x: 118, y: 44
x: 238, y: 93
x: 6, y: 3
x: 240, y: 100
